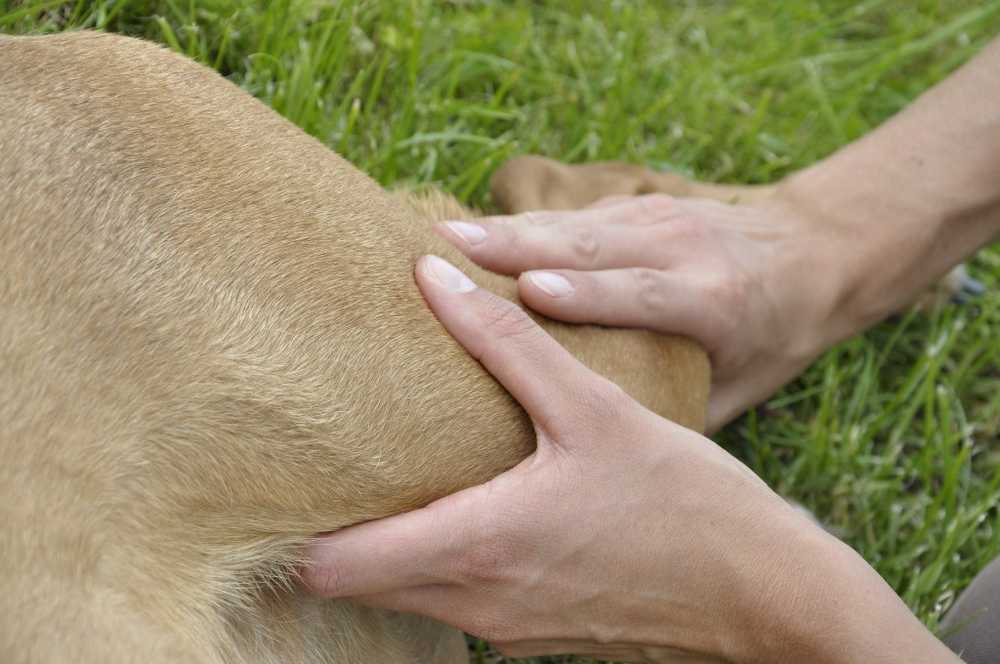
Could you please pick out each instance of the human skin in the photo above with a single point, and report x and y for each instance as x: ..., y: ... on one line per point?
x: 694, y: 558
x: 766, y: 287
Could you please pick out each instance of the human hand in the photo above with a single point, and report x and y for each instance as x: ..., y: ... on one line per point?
x: 758, y: 286
x: 624, y: 536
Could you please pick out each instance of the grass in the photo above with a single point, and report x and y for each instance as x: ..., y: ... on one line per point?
x: 891, y: 438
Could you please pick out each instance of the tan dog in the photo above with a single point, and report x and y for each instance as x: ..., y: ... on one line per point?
x: 211, y: 347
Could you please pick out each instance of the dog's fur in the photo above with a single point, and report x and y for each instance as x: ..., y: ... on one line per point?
x: 211, y: 348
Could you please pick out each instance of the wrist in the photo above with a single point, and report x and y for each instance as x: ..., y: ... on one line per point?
x: 903, y: 205
x: 875, y: 247
x: 820, y: 270
x: 828, y: 606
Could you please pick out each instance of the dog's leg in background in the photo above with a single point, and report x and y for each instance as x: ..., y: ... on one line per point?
x: 537, y: 183
x: 211, y: 347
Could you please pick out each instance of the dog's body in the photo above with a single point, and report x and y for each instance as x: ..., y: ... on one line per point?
x: 211, y: 348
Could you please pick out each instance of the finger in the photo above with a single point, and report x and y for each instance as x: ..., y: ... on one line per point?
x: 539, y: 373
x: 655, y: 300
x: 614, y: 209
x: 618, y: 233
x: 577, y: 245
x: 392, y: 554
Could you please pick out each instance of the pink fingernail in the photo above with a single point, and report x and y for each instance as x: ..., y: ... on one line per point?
x: 552, y: 284
x: 448, y: 275
x: 471, y: 233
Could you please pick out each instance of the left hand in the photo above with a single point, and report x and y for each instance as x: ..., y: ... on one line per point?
x: 624, y: 536
x: 739, y: 279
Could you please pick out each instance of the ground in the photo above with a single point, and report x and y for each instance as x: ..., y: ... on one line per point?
x: 893, y: 438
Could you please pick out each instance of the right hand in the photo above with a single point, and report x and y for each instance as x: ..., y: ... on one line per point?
x: 755, y: 285
x: 623, y: 536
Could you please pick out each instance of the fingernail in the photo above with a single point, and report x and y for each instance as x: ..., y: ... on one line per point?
x: 552, y: 284
x: 471, y: 233
x: 448, y: 275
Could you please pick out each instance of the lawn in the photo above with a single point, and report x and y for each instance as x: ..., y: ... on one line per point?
x: 893, y: 438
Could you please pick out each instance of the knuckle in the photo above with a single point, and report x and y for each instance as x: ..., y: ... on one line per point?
x: 585, y: 244
x: 649, y: 289
x: 728, y: 298
x: 730, y: 289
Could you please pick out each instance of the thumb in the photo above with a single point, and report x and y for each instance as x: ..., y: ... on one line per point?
x: 395, y: 553
x: 540, y: 374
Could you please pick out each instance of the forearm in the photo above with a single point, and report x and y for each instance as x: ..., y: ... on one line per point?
x: 794, y: 593
x: 898, y: 209
x: 797, y: 595
x: 913, y: 198
x: 839, y: 611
